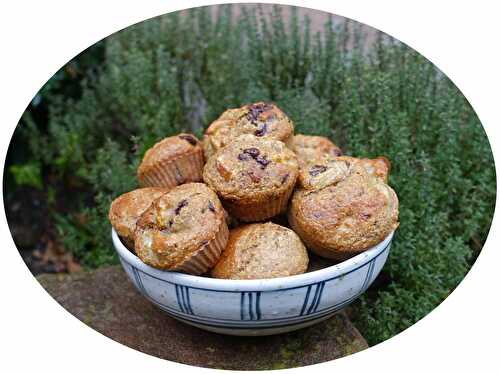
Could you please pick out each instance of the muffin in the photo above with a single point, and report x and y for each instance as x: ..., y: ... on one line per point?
x: 344, y: 210
x: 126, y: 209
x: 261, y: 119
x: 254, y: 177
x: 173, y: 161
x: 310, y: 147
x: 184, y: 230
x: 260, y: 251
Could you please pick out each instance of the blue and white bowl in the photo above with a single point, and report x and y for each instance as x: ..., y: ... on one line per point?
x: 255, y: 307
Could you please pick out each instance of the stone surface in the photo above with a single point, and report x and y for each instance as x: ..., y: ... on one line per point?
x: 106, y: 301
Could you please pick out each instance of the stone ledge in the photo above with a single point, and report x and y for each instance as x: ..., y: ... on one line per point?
x: 106, y: 301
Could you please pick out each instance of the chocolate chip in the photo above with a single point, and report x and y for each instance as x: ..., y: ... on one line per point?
x: 255, y: 110
x: 285, y: 178
x: 170, y: 223
x: 263, y: 161
x: 317, y: 169
x: 253, y: 152
x: 189, y: 138
x: 261, y: 131
x: 244, y: 157
x: 211, y: 206
x: 181, y: 205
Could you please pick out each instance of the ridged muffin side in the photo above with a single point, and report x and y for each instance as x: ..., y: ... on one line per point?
x: 171, y: 162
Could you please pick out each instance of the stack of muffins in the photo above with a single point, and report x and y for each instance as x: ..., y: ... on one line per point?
x: 211, y: 206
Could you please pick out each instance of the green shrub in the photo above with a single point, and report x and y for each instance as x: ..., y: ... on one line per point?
x: 179, y: 72
x: 28, y: 174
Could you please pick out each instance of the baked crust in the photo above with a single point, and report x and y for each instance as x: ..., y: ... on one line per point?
x: 325, y: 170
x: 184, y: 230
x: 309, y: 148
x: 126, y: 209
x: 346, y: 212
x: 261, y: 119
x: 378, y: 167
x: 253, y: 176
x: 172, y: 161
x: 260, y: 251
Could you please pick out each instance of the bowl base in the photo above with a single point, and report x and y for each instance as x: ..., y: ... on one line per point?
x: 251, y: 331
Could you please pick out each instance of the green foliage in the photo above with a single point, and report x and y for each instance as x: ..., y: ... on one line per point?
x: 27, y: 175
x: 180, y: 72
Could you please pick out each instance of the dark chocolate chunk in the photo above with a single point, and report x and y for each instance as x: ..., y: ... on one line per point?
x: 189, y: 138
x: 337, y: 152
x: 244, y: 157
x: 255, y: 110
x: 181, y: 205
x: 211, y: 206
x: 253, y: 152
x: 317, y: 169
x: 262, y: 131
x: 263, y: 161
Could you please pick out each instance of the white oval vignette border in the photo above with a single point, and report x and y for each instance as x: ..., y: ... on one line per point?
x: 39, y: 37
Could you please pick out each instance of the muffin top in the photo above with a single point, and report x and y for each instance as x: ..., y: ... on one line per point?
x: 168, y: 149
x: 261, y: 119
x: 251, y: 167
x: 177, y: 225
x: 126, y: 209
x: 261, y: 250
x: 349, y: 210
x: 378, y: 167
x: 323, y: 171
x: 310, y: 147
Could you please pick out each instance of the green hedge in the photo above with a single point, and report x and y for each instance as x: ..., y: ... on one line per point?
x: 179, y: 72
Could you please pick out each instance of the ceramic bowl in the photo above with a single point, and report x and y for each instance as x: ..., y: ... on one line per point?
x: 255, y: 307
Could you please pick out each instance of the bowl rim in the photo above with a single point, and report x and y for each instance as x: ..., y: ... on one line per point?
x: 237, y: 285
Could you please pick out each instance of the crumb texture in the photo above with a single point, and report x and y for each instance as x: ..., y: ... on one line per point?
x: 259, y: 251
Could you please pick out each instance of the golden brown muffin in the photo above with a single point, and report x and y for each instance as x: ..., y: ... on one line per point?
x: 261, y: 119
x: 184, y: 230
x: 253, y: 176
x: 126, y: 209
x: 260, y: 251
x: 345, y: 212
x: 310, y: 147
x: 173, y: 161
